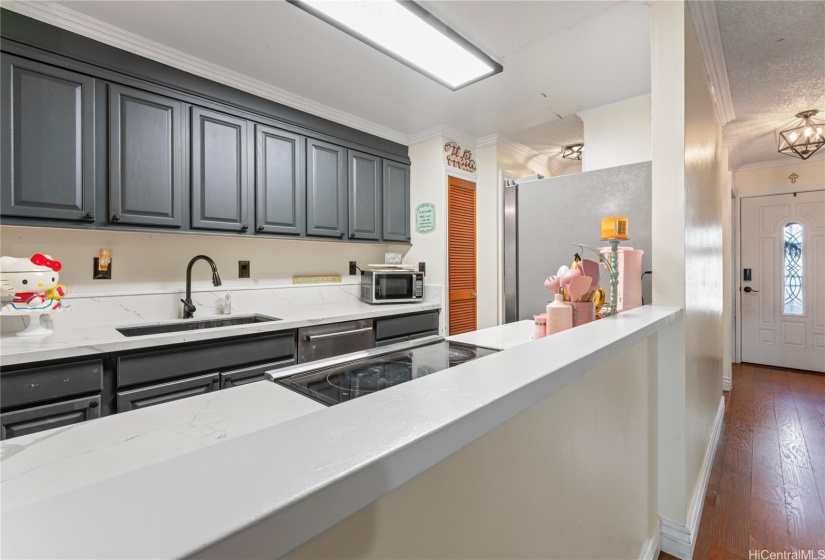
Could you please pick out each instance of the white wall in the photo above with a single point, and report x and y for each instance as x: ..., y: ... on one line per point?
x: 617, y: 134
x: 691, y: 205
x: 147, y: 261
x: 775, y: 178
x: 572, y: 477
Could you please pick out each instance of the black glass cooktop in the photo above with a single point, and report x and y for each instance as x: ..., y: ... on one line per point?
x: 349, y: 381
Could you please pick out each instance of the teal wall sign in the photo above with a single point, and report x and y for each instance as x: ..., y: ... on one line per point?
x: 425, y: 218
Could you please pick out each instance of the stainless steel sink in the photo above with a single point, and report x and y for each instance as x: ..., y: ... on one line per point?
x: 194, y: 325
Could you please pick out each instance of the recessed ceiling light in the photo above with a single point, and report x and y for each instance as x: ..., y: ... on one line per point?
x: 407, y: 32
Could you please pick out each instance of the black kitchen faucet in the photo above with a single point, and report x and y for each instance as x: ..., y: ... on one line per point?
x: 188, y: 307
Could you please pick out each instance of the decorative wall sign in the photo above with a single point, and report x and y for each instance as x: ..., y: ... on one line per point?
x: 459, y: 159
x: 793, y: 177
x: 425, y: 218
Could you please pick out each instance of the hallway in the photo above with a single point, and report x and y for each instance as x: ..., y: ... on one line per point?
x: 767, y: 486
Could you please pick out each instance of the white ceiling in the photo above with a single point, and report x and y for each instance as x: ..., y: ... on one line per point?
x: 775, y: 57
x: 559, y: 57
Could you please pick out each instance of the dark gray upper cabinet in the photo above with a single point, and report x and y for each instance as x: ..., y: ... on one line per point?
x: 280, y: 181
x: 47, y: 141
x: 145, y: 158
x: 364, y: 196
x: 396, y: 201
x: 326, y: 189
x: 219, y: 171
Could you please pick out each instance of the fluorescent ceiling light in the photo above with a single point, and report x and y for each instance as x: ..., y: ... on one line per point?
x: 410, y: 34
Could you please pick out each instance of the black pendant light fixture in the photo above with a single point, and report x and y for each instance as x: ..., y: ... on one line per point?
x: 573, y: 151
x: 805, y: 138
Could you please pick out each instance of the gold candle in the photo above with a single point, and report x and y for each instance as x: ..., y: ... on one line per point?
x: 104, y: 257
x: 614, y: 227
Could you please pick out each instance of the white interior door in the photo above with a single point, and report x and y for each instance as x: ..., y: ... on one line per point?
x: 783, y: 304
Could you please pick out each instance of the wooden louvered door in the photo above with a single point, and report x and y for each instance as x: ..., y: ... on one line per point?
x: 461, y: 232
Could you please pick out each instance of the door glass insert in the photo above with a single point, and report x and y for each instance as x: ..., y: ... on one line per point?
x: 793, y: 269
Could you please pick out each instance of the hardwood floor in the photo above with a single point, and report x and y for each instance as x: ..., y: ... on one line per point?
x: 767, y: 484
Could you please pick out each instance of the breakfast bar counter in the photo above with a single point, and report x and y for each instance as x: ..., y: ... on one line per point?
x: 274, y: 488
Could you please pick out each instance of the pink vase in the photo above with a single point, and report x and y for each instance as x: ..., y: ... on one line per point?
x: 583, y: 312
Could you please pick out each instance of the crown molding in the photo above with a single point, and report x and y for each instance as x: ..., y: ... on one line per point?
x: 706, y: 23
x: 76, y: 22
x: 787, y: 160
x: 485, y: 141
x: 442, y: 131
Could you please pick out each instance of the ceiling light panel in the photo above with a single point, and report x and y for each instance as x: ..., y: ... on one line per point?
x: 410, y: 34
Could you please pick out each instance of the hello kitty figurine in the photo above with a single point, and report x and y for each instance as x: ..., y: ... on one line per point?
x: 33, y: 283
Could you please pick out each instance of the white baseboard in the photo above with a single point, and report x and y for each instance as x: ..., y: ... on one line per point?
x: 726, y: 384
x: 653, y: 545
x: 679, y: 540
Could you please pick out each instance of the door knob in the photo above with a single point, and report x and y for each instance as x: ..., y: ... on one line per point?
x: 748, y: 289
x: 116, y: 217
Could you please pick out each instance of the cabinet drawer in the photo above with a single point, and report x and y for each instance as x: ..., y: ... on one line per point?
x: 38, y: 384
x: 251, y: 374
x: 395, y: 327
x: 167, y: 392
x: 46, y: 417
x: 168, y: 364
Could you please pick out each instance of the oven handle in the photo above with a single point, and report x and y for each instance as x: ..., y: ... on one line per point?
x: 311, y: 337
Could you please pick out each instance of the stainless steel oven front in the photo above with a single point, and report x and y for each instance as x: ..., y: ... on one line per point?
x: 392, y: 286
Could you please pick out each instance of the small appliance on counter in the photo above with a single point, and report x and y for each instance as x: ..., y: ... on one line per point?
x: 348, y: 377
x: 392, y: 284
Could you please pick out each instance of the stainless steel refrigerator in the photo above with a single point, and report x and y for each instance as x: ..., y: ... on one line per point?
x: 543, y: 219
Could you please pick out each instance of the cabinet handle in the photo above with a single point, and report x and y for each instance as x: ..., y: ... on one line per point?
x: 115, y: 217
x: 244, y: 227
x: 93, y: 404
x: 341, y: 235
x: 216, y: 379
x: 352, y: 236
x: 260, y: 228
x: 408, y: 238
x: 227, y: 381
x: 89, y: 216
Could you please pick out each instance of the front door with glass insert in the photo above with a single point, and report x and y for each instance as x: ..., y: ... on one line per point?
x: 783, y: 303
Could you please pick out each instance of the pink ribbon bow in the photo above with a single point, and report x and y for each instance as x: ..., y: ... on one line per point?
x: 42, y: 260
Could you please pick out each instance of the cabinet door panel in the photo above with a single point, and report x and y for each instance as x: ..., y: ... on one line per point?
x: 396, y: 201
x: 364, y: 196
x: 219, y: 171
x: 279, y: 181
x: 46, y: 417
x: 167, y: 392
x: 47, y: 153
x: 145, y: 158
x: 326, y: 189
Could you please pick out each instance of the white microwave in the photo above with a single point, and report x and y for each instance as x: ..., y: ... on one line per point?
x: 392, y: 286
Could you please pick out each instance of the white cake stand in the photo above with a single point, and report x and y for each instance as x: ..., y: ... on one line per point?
x: 33, y: 326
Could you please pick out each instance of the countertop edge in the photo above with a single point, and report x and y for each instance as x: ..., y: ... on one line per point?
x: 314, y: 487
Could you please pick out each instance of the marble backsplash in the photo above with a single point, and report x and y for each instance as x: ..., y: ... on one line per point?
x: 137, y: 307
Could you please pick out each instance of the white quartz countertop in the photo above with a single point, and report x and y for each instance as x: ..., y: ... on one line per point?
x: 264, y: 493
x: 501, y: 337
x: 47, y: 464
x: 99, y: 338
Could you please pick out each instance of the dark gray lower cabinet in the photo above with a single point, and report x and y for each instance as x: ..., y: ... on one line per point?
x: 364, y: 196
x: 145, y: 158
x: 396, y: 201
x: 326, y: 189
x: 406, y: 326
x: 166, y: 392
x: 280, y: 181
x: 220, y: 174
x: 48, y: 416
x: 251, y: 374
x: 47, y: 144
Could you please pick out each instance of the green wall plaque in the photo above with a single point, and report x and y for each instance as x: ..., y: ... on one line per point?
x: 425, y: 218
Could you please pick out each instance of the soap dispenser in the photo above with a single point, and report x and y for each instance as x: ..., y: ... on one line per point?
x: 227, y: 304
x: 559, y: 315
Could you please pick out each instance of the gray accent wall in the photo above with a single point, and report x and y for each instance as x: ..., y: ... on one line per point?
x: 556, y: 212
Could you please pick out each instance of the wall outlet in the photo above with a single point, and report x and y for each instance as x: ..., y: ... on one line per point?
x: 352, y: 268
x: 422, y: 267
x: 243, y: 269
